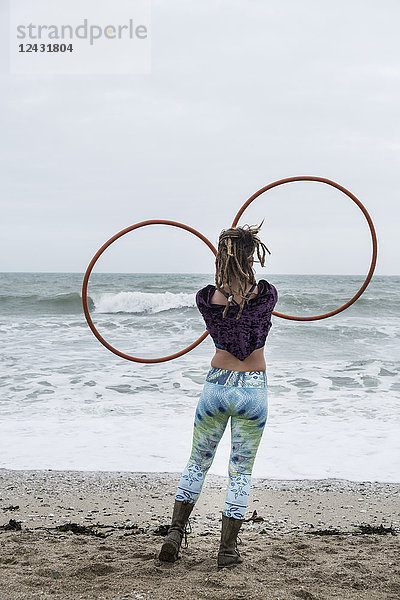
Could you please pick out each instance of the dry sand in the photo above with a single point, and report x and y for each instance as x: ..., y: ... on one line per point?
x: 286, y: 556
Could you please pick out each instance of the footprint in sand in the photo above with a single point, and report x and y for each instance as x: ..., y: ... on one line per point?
x: 95, y: 569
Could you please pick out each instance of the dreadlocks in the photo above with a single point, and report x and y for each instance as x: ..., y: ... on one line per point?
x: 236, y: 247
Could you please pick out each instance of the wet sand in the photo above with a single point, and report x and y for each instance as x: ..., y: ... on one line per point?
x: 315, y: 539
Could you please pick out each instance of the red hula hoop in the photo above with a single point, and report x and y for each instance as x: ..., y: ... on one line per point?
x: 370, y: 224
x: 86, y: 281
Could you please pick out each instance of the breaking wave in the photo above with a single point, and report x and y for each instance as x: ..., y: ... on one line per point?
x: 142, y: 302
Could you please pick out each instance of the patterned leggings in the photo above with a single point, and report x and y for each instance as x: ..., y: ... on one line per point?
x: 241, y: 395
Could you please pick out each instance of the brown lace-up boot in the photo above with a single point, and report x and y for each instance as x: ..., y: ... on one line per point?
x: 178, y: 528
x: 228, y: 555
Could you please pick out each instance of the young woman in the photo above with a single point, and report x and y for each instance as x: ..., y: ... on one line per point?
x: 237, y: 312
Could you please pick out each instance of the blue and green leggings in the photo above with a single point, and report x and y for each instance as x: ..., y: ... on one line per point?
x: 241, y: 396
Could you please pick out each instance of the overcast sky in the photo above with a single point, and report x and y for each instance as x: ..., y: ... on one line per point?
x: 241, y: 93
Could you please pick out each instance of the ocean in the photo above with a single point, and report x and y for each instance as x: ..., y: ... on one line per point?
x: 68, y: 403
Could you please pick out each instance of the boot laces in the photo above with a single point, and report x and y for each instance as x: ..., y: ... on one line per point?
x: 187, y: 529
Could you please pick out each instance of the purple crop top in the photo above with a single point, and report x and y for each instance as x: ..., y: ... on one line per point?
x: 239, y: 337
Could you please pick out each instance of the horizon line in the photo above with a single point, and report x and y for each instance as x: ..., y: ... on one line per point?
x: 193, y: 273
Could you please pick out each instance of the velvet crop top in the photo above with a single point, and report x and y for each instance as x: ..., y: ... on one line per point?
x: 239, y: 337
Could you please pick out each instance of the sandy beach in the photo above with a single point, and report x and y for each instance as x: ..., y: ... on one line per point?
x: 311, y: 539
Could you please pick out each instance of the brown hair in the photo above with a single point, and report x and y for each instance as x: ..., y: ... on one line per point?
x: 236, y: 247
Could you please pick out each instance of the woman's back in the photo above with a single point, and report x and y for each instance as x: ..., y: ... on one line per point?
x: 219, y: 298
x: 239, y: 342
x: 225, y: 360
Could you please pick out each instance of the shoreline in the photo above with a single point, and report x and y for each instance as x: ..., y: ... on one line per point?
x: 307, y: 544
x: 298, y: 502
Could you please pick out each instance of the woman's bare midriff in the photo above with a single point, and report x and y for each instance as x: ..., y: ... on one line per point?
x: 225, y: 360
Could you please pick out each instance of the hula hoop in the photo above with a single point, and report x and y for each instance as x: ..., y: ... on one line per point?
x: 86, y: 281
x: 370, y: 224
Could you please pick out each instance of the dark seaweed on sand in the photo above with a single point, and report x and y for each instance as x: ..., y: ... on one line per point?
x: 362, y: 529
x: 12, y: 525
x: 326, y: 532
x: 92, y: 529
x: 161, y: 530
x: 255, y: 518
x: 380, y: 530
x: 80, y: 529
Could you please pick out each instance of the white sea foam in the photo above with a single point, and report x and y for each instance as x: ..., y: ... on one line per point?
x: 141, y: 302
x: 66, y: 402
